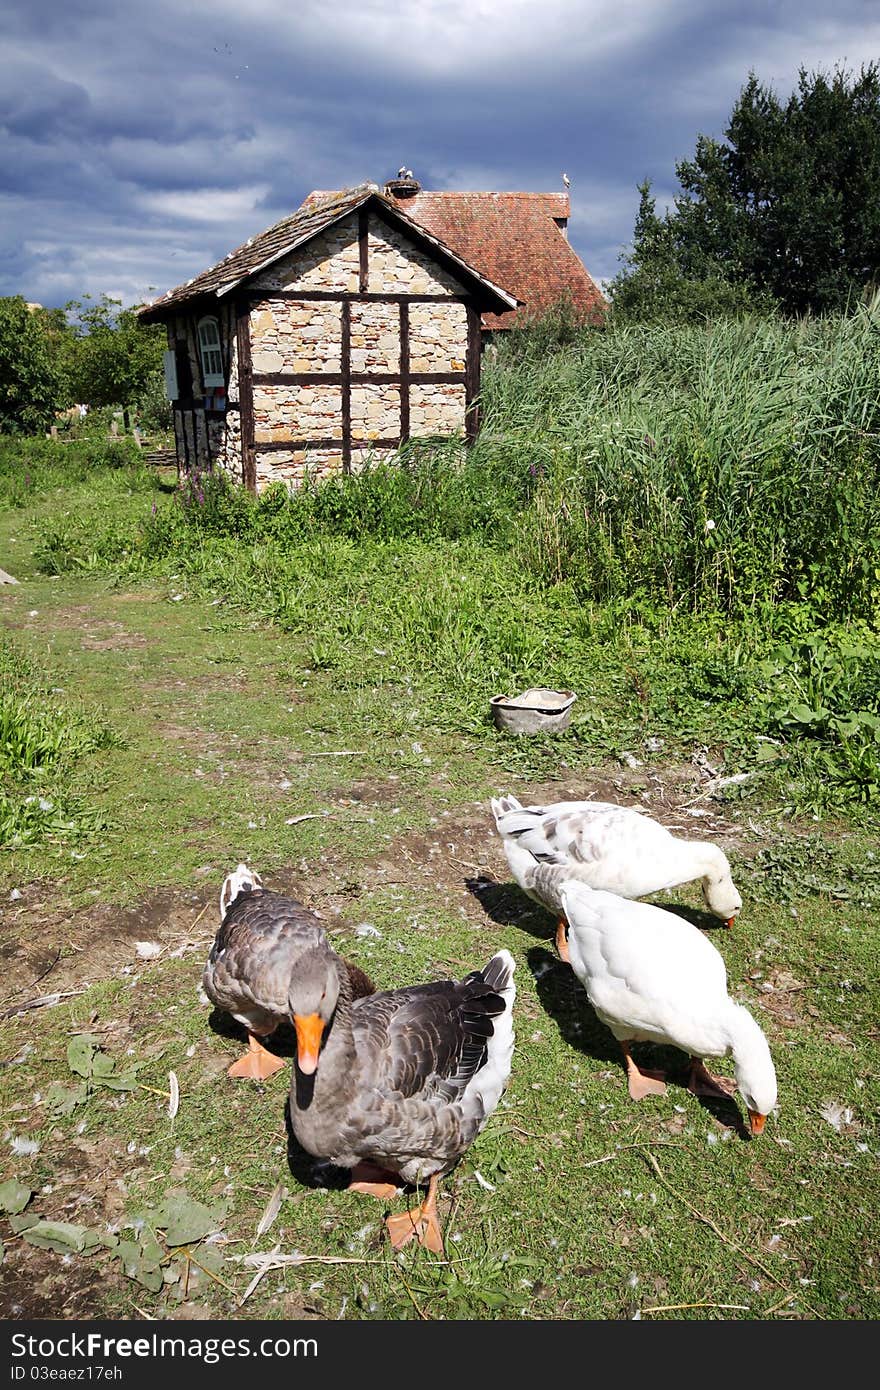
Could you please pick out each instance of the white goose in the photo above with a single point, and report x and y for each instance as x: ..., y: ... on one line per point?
x: 613, y: 848
x: 652, y: 977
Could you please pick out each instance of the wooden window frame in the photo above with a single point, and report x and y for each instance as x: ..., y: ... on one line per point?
x: 210, y: 379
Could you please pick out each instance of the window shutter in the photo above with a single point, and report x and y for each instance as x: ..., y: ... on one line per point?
x: 169, y: 362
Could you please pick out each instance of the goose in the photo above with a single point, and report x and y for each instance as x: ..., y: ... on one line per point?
x: 652, y: 977
x: 614, y: 848
x: 396, y: 1086
x: 261, y: 937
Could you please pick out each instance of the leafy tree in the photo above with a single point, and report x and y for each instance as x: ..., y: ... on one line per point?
x: 31, y: 382
x: 658, y: 284
x: 785, y: 210
x: 116, y: 357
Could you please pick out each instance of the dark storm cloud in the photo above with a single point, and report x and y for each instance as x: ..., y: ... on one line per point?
x: 141, y: 143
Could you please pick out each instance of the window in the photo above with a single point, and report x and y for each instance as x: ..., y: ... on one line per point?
x: 210, y: 353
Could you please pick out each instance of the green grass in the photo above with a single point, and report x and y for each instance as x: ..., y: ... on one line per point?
x: 227, y: 669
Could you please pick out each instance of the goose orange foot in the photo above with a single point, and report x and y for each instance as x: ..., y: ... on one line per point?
x: 421, y: 1224
x: 373, y: 1181
x: 641, y: 1083
x: 562, y: 940
x: 257, y: 1064
x: 703, y: 1083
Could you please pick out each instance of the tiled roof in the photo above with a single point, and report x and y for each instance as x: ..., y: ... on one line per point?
x: 318, y: 212
x: 513, y: 238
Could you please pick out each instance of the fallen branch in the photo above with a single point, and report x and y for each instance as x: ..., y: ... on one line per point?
x: 781, y: 1304
x: 266, y: 1262
x: 674, y: 1307
x: 48, y: 970
x: 657, y: 1143
x: 343, y: 753
x: 43, y: 1001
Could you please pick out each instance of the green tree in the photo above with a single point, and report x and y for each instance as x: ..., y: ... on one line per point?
x: 117, y: 358
x: 784, y: 211
x: 658, y: 283
x: 31, y: 383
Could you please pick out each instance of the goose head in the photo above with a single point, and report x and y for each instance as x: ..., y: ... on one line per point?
x: 313, y: 994
x: 721, y: 897
x: 753, y: 1068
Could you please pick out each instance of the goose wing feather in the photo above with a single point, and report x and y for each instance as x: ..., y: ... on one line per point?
x: 429, y: 1040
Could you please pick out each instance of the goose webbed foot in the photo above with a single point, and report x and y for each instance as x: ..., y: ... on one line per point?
x: 641, y: 1083
x: 421, y: 1224
x: 373, y: 1181
x: 257, y: 1064
x: 702, y: 1083
x: 562, y: 940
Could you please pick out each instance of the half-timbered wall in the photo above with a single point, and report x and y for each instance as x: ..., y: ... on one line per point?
x: 345, y: 348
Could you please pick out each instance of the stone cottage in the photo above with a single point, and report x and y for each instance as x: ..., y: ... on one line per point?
x: 345, y: 330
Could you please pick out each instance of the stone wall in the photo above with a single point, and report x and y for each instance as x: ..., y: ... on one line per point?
x: 375, y: 411
x: 438, y: 337
x: 296, y: 336
x: 436, y: 409
x: 330, y: 262
x: 288, y: 413
x: 397, y: 266
x: 292, y: 467
x: 375, y: 337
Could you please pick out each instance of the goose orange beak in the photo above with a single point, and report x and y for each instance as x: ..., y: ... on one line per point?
x: 757, y: 1122
x: 309, y: 1031
x: 730, y: 921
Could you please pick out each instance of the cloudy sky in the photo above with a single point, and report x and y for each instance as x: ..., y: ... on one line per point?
x: 142, y: 141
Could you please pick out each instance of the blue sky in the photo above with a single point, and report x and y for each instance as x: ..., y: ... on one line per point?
x: 139, y: 142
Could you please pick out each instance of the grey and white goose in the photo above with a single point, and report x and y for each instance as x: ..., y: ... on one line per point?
x: 397, y: 1086
x: 261, y: 939
x: 614, y: 849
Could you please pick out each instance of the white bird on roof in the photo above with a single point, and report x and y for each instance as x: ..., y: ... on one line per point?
x: 401, y: 173
x: 409, y: 173
x: 566, y: 180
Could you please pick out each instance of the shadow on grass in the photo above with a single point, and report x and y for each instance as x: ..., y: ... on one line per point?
x: 509, y: 906
x: 695, y: 915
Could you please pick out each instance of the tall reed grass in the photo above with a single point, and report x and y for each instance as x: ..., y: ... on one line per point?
x: 707, y: 467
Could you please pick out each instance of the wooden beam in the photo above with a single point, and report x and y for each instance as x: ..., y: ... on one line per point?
x: 307, y: 296
x: 363, y: 250
x: 246, y: 397
x: 472, y: 375
x: 404, y: 370
x: 278, y: 446
x: 345, y: 366
x: 357, y: 378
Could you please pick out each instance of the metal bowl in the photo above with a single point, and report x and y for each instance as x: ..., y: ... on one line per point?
x: 535, y: 711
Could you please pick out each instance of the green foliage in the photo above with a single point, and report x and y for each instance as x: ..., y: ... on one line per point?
x: 31, y: 383
x: 656, y: 287
x: 786, y: 207
x: 117, y: 359
x: 29, y: 469
x: 41, y: 742
x: 87, y: 1060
